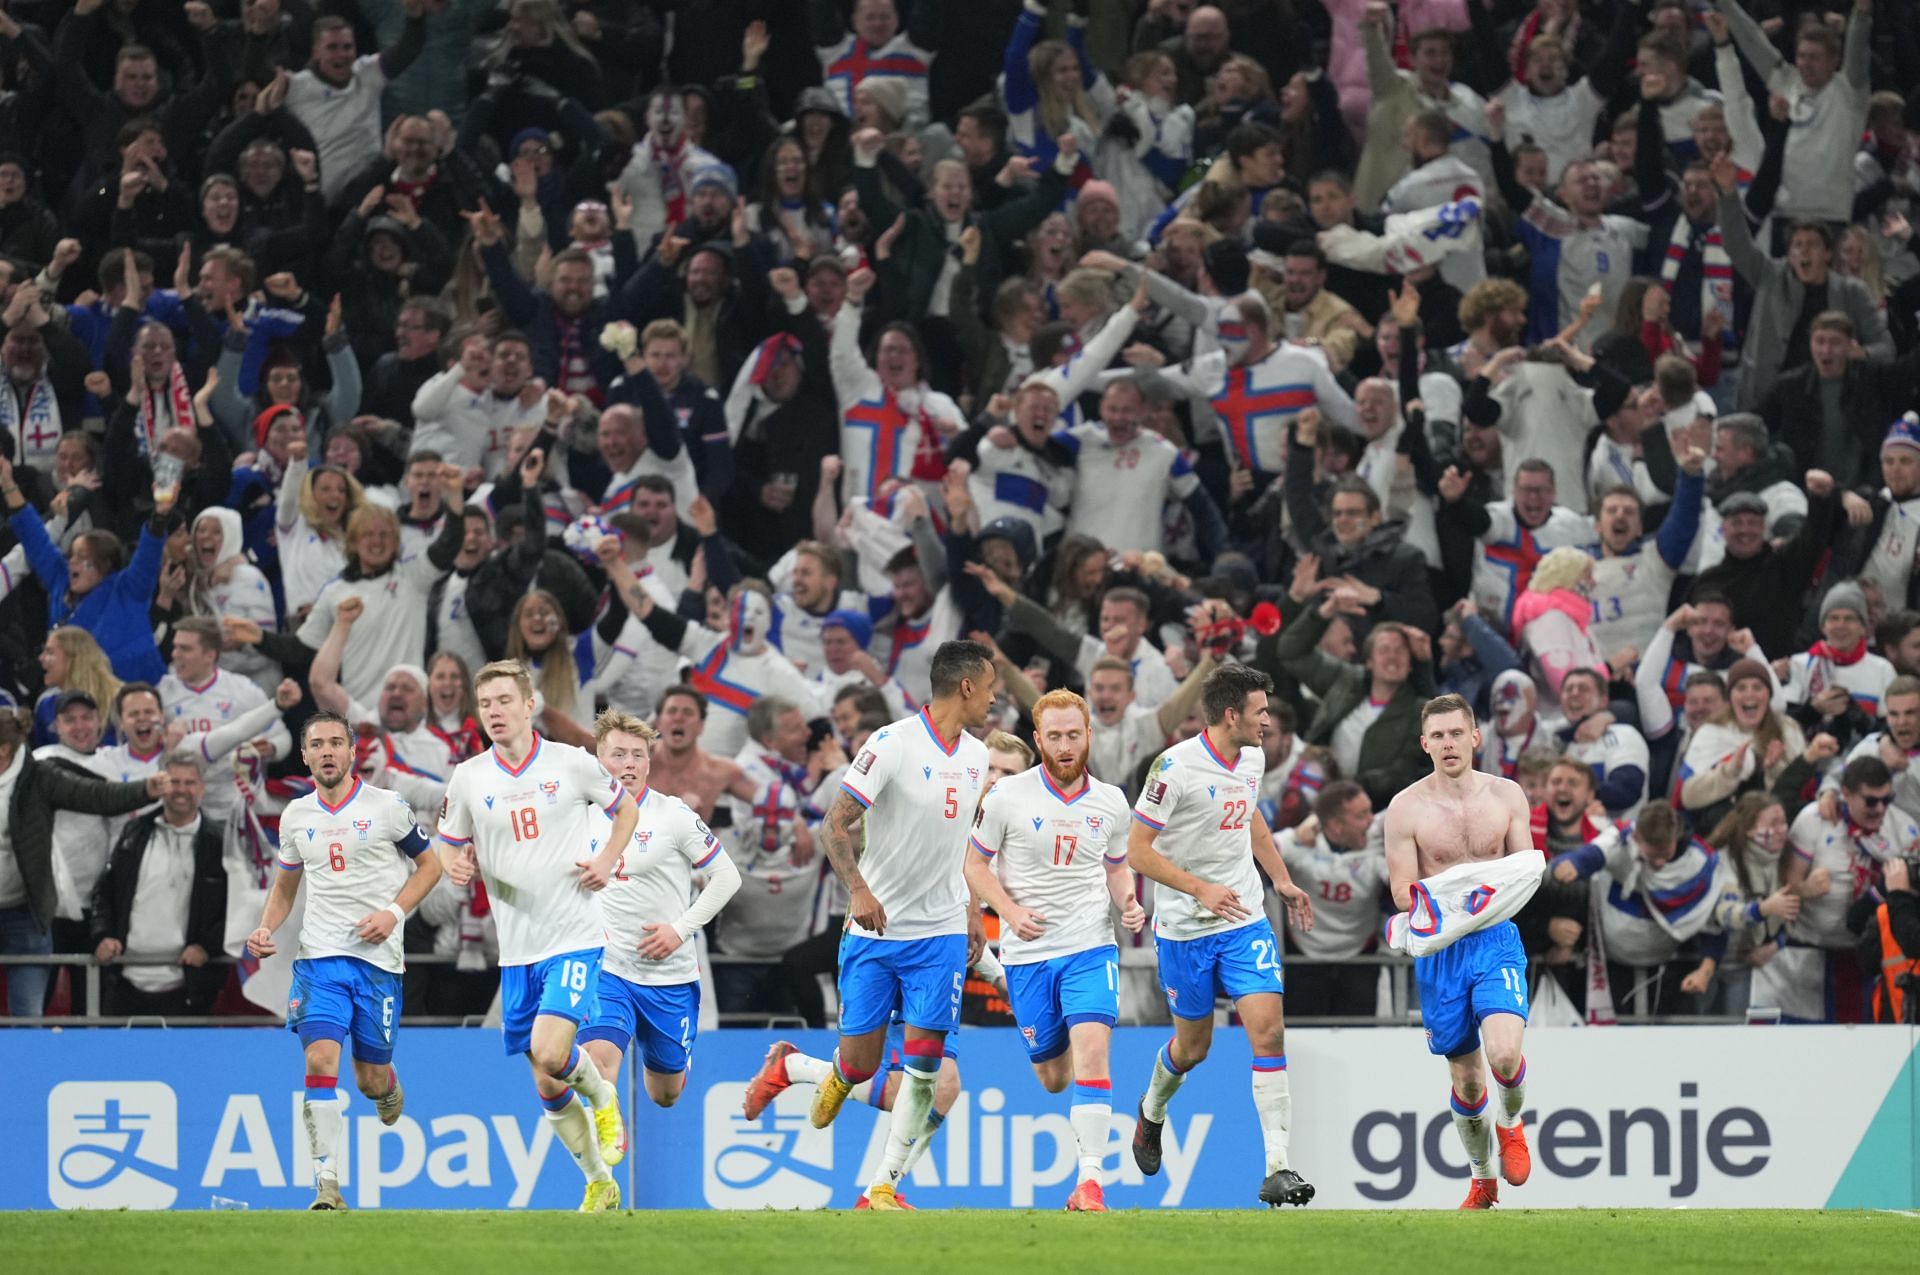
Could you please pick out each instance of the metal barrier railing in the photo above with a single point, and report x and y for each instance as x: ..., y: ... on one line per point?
x: 1402, y: 1011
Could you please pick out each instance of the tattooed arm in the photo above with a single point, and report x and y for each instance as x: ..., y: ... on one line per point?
x: 837, y: 833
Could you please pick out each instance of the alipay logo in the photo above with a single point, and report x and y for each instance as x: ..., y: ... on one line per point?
x: 111, y: 1145
x: 779, y: 1161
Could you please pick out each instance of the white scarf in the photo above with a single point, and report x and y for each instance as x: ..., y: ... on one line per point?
x: 157, y: 405
x: 1716, y: 269
x: 36, y: 431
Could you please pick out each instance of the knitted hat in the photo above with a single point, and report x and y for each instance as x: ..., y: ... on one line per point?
x: 720, y: 175
x: 889, y: 93
x: 1745, y: 669
x: 264, y: 421
x: 413, y: 671
x: 526, y: 135
x: 1099, y: 192
x: 858, y: 627
x: 1845, y: 596
x: 1609, y: 395
x: 1904, y: 432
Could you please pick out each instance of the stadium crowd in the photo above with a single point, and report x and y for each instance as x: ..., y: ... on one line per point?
x: 720, y: 360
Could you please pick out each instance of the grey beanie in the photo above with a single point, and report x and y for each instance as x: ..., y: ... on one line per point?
x: 1845, y: 596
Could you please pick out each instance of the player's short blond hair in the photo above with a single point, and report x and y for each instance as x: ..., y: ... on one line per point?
x: 1441, y: 705
x: 614, y: 719
x: 1060, y: 698
x: 512, y: 669
x: 1001, y: 741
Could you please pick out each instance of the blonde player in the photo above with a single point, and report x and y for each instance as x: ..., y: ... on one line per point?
x: 366, y: 867
x: 650, y: 981
x: 1198, y: 834
x: 910, y: 927
x: 519, y: 814
x: 1050, y: 858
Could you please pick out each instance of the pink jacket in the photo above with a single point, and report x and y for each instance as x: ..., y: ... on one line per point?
x: 1553, y: 628
x: 1347, y: 55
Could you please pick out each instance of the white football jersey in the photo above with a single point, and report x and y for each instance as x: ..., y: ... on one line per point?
x: 1849, y: 856
x: 529, y: 828
x: 1114, y: 487
x: 921, y: 793
x: 1203, y: 807
x: 198, y: 709
x: 1051, y: 853
x: 355, y: 856
x: 653, y: 883
x: 1345, y: 886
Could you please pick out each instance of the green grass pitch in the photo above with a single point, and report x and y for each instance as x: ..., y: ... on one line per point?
x: 932, y: 1243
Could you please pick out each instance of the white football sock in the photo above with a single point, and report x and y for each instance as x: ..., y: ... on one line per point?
x: 1476, y: 1133
x: 1091, y: 1115
x: 805, y: 1069
x: 573, y: 1125
x: 908, y: 1123
x: 323, y: 1118
x: 1273, y: 1100
x: 1165, y: 1083
x: 1513, y: 1094
x: 925, y: 1140
x: 585, y: 1079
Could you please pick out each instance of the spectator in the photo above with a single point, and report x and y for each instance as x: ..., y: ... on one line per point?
x: 338, y: 96
x: 1334, y: 859
x: 164, y: 894
x: 1754, y: 905
x: 29, y: 891
x: 1747, y: 746
x: 1365, y: 711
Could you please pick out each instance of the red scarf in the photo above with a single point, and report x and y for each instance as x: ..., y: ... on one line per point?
x: 672, y: 193
x: 1823, y: 650
x: 930, y: 457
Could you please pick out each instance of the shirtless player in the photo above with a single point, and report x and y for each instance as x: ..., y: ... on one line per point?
x: 682, y: 767
x: 1475, y: 989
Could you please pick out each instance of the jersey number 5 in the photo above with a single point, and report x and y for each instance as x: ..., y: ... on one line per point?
x: 1234, y: 818
x: 953, y: 803
x: 525, y: 822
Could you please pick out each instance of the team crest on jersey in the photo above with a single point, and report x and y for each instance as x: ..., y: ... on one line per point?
x: 1028, y: 1033
x: 643, y: 836
x: 363, y: 827
x: 551, y: 787
x: 393, y: 588
x: 224, y: 705
x: 1095, y: 823
x: 973, y: 774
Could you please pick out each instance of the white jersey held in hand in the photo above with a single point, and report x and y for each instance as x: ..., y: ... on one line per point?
x: 920, y: 792
x: 356, y: 857
x: 1051, y: 852
x: 1203, y: 806
x: 653, y: 884
x: 529, y: 828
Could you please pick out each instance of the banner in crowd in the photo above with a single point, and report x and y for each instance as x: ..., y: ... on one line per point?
x: 1708, y: 1117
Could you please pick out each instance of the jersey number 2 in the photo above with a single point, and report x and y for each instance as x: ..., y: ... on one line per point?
x: 525, y: 822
